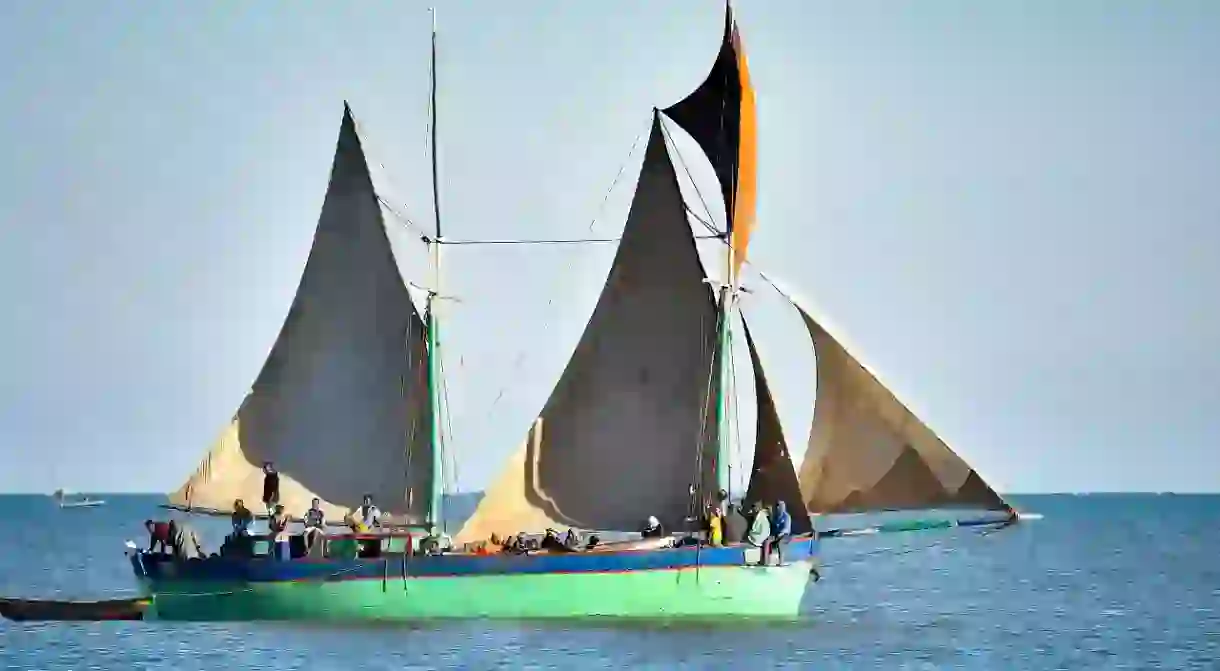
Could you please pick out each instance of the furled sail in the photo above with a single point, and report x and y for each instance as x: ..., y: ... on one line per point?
x: 341, y: 405
x: 720, y: 116
x: 868, y: 452
x: 628, y: 429
x: 772, y: 477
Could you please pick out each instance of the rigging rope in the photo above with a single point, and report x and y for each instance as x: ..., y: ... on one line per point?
x: 552, y: 241
x: 606, y: 198
x: 682, y: 161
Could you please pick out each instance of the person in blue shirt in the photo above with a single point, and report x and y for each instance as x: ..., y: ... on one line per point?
x: 781, y: 530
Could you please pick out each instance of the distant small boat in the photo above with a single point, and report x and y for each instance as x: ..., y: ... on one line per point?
x: 38, y: 609
x: 66, y: 500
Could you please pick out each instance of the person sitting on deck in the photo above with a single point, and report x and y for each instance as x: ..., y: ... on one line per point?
x: 760, y: 528
x: 278, y: 526
x: 271, y: 487
x: 735, y: 525
x: 241, y: 518
x: 781, y: 530
x: 158, y: 536
x: 366, y: 516
x: 551, y: 543
x: 652, y: 528
x: 315, y: 525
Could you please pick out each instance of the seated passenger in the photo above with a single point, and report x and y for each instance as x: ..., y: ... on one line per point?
x: 241, y: 518
x: 363, y: 518
x: 551, y: 542
x: 781, y: 530
x: 315, y: 529
x: 652, y: 528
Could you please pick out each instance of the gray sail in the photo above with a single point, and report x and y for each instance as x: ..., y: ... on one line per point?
x: 869, y: 452
x: 630, y: 425
x: 341, y: 405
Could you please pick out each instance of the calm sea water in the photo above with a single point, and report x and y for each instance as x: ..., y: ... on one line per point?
x: 1101, y: 582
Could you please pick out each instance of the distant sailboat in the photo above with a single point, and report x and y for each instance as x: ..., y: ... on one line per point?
x: 67, y: 500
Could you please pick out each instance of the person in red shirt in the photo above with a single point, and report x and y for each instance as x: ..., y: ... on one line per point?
x: 158, y: 536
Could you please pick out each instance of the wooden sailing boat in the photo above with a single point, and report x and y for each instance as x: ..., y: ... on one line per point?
x: 635, y: 427
x: 356, y: 366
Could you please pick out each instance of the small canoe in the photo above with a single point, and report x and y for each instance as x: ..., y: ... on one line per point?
x: 91, y: 611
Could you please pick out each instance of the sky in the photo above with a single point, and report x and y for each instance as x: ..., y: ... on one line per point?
x: 1006, y: 209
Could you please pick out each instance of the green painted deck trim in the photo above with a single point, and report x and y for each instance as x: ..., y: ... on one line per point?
x: 706, y: 592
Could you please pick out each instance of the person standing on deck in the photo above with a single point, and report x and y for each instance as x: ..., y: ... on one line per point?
x: 781, y: 530
x: 158, y: 536
x: 271, y: 487
x: 279, y: 533
x: 715, y: 527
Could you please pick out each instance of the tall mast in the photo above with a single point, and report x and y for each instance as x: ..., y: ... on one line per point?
x: 435, y: 513
x: 724, y: 354
x: 724, y: 348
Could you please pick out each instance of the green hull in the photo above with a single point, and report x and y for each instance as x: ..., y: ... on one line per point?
x: 709, y: 591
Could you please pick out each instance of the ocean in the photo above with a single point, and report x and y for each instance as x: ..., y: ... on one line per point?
x: 1099, y: 582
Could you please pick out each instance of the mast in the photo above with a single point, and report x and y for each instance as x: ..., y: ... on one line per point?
x: 435, y: 515
x: 724, y: 354
x: 724, y: 345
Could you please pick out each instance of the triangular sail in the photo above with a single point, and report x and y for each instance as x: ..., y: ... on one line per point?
x: 720, y: 116
x: 341, y: 405
x: 772, y: 477
x: 628, y: 428
x: 868, y: 452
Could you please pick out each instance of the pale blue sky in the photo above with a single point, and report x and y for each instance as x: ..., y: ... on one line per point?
x: 1009, y: 209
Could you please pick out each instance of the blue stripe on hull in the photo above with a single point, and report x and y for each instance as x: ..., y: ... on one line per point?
x: 231, y: 570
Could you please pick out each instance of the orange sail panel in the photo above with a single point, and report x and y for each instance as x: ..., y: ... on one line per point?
x: 720, y: 116
x: 745, y: 194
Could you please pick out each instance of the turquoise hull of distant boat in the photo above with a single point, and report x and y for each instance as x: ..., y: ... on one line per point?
x: 688, y: 582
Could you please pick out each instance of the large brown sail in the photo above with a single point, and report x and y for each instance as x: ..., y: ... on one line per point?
x: 720, y: 116
x: 629, y: 427
x: 341, y: 405
x: 772, y: 477
x: 869, y: 452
